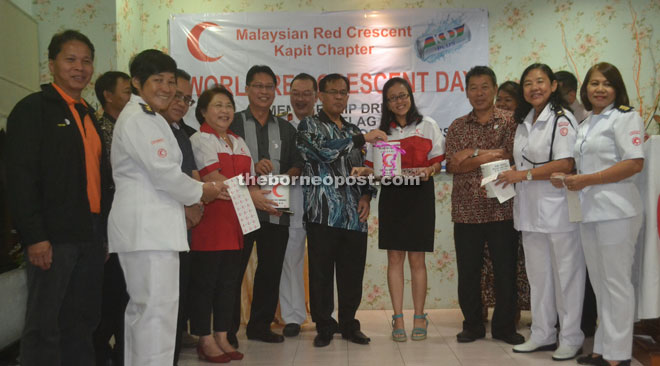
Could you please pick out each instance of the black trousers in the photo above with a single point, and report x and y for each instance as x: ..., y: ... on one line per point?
x: 346, y: 250
x: 213, y: 279
x: 182, y: 318
x: 113, y: 306
x: 271, y: 242
x: 589, y: 310
x: 64, y: 307
x: 469, y: 240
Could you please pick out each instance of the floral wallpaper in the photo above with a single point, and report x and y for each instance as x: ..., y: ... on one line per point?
x: 566, y: 34
x: 95, y: 18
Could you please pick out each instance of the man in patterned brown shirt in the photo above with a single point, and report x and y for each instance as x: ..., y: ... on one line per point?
x: 484, y: 135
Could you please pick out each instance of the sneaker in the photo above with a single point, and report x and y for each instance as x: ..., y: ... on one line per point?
x: 566, y: 352
x: 531, y: 346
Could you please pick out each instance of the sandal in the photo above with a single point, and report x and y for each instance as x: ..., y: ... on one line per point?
x: 398, y: 334
x: 419, y: 334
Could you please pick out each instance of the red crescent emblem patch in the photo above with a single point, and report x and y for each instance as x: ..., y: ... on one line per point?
x: 162, y: 153
x: 563, y: 131
x: 637, y: 141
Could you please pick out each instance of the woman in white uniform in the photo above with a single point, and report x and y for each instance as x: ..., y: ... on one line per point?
x: 553, y: 255
x: 608, y: 153
x: 147, y: 224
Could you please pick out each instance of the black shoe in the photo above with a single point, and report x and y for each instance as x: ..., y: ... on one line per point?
x: 467, y: 336
x: 513, y: 338
x: 231, y: 338
x: 291, y: 330
x: 590, y: 360
x: 322, y: 339
x: 356, y: 336
x: 266, y: 336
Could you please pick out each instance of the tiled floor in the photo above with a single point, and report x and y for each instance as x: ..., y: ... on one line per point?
x: 440, y: 348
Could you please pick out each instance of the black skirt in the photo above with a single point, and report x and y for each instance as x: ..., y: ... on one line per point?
x: 406, y: 217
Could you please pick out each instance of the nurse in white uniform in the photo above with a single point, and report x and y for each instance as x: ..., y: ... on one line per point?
x: 553, y: 256
x: 147, y: 225
x: 608, y: 153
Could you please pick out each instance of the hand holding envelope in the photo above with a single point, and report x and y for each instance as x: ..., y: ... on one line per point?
x: 490, y: 171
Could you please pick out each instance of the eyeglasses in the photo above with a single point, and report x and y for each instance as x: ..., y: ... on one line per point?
x: 185, y: 98
x: 267, y: 87
x: 305, y: 94
x: 396, y: 98
x: 334, y: 92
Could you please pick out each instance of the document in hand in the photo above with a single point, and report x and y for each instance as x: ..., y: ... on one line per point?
x: 489, y: 171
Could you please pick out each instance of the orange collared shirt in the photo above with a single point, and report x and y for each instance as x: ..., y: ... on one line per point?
x: 92, y: 144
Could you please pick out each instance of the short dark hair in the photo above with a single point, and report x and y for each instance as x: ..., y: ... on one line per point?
x: 512, y: 88
x: 182, y: 74
x: 305, y: 76
x: 556, y: 99
x: 59, y: 39
x: 332, y: 77
x: 612, y: 75
x: 567, y: 81
x: 478, y: 71
x: 259, y: 69
x: 387, y: 117
x: 150, y: 62
x: 108, y: 82
x: 206, y: 98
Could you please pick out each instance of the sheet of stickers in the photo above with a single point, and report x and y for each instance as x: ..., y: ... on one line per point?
x: 245, y: 210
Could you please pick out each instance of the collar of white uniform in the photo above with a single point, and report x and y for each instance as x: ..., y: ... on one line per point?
x: 546, y: 115
x: 606, y: 112
x: 137, y: 99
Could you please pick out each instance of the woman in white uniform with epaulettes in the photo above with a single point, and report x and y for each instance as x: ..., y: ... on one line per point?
x: 147, y: 224
x: 553, y: 256
x: 608, y: 153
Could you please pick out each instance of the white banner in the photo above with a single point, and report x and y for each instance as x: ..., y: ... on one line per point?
x: 431, y: 48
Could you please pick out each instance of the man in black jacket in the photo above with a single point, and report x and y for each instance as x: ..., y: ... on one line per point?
x: 56, y: 174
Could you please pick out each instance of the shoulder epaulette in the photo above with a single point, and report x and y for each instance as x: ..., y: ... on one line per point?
x: 147, y: 109
x: 624, y: 108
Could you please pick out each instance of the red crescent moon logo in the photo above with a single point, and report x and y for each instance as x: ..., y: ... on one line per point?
x: 193, y: 42
x: 387, y: 160
x: 275, y: 193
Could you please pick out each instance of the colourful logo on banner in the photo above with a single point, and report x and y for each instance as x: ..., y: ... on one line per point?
x: 441, y: 40
x: 193, y: 42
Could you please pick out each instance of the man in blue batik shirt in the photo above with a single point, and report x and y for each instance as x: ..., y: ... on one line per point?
x: 335, y: 215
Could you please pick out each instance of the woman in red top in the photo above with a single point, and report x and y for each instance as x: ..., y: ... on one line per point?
x: 217, y: 240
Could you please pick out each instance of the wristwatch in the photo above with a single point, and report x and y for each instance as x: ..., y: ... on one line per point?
x: 475, y: 153
x: 529, y: 174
